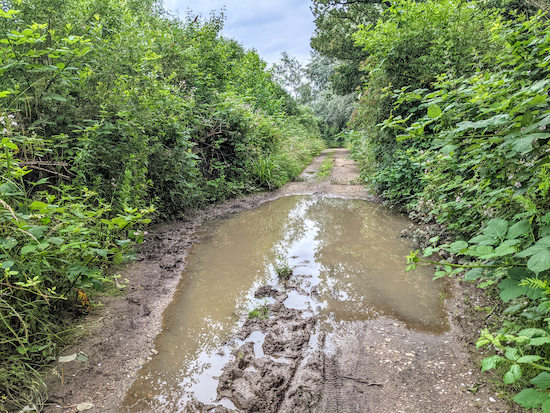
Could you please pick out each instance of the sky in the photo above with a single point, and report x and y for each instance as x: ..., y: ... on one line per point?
x: 269, y: 26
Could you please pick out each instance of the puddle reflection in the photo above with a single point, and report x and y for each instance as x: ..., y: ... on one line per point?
x: 349, y: 253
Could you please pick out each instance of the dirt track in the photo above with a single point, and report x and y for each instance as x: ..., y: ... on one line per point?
x: 371, y: 366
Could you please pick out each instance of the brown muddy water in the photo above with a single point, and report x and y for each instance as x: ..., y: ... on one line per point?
x: 348, y: 255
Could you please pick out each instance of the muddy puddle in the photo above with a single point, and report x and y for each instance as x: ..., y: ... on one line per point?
x: 348, y: 266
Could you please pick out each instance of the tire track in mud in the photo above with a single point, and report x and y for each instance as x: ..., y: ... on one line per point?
x: 332, y: 394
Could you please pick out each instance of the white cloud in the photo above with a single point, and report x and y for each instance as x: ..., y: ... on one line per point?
x: 269, y: 26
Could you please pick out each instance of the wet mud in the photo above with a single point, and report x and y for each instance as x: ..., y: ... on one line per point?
x: 328, y: 343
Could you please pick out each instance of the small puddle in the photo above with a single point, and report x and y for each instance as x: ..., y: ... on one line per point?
x: 349, y: 262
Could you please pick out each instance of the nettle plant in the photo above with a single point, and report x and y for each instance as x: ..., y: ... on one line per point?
x: 487, y: 174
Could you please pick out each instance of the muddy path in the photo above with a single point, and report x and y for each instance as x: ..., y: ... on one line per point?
x: 286, y: 362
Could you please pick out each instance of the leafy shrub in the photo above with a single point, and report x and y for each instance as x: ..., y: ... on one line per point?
x: 487, y: 178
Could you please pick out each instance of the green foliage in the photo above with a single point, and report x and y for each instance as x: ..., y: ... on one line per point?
x: 408, y: 48
x: 325, y: 169
x: 283, y: 269
x: 261, y: 311
x: 335, y: 24
x: 112, y: 112
x: 486, y: 173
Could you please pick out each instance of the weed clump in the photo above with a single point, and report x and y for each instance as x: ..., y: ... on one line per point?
x: 261, y: 311
x: 283, y: 269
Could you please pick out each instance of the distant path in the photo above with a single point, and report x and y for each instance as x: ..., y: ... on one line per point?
x: 344, y: 181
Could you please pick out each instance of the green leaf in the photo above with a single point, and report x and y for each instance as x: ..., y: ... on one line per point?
x: 27, y: 249
x: 37, y: 231
x: 542, y: 380
x: 530, y: 398
x: 511, y: 289
x: 483, y: 240
x: 532, y: 332
x: 489, y: 363
x: 546, y: 406
x: 38, y: 205
x: 539, y: 341
x: 457, y: 247
x: 473, y: 274
x: 101, y: 252
x: 531, y: 251
x: 512, y: 354
x: 539, y: 262
x: 8, y: 243
x: 518, y: 273
x: 117, y: 258
x: 529, y: 359
x: 57, y: 240
x: 434, y: 111
x: 519, y: 229
x: 513, y: 375
x: 496, y: 228
x: 121, y: 222
x: 503, y: 250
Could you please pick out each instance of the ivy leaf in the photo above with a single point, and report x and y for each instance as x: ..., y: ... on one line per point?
x: 489, y: 363
x: 513, y: 375
x: 542, y: 380
x: 539, y: 262
x: 530, y: 398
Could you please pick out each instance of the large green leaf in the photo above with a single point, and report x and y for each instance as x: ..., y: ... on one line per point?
x: 519, y: 229
x: 511, y: 289
x: 539, y: 262
x: 38, y: 205
x: 530, y: 398
x: 489, y: 363
x: 542, y: 380
x: 512, y: 375
x: 473, y: 274
x: 434, y: 111
x: 483, y: 240
x: 531, y: 251
x: 539, y: 341
x: 529, y: 359
x: 512, y: 353
x: 496, y: 228
x: 457, y: 247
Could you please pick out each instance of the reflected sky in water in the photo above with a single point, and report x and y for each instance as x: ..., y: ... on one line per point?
x: 352, y: 263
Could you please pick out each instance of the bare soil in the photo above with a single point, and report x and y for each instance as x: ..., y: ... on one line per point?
x: 373, y: 366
